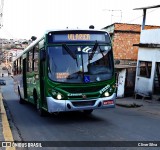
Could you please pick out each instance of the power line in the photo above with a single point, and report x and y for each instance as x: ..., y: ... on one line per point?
x: 114, y: 10
x: 129, y: 22
x: 125, y: 46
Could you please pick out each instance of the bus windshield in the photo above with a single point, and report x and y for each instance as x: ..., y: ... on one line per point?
x: 80, y: 63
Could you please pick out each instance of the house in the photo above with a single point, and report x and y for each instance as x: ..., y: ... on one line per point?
x: 148, y: 63
x: 124, y: 36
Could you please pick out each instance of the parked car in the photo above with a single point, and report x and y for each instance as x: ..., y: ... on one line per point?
x: 2, y: 82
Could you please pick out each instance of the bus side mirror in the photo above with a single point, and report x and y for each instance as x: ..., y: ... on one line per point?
x: 42, y: 55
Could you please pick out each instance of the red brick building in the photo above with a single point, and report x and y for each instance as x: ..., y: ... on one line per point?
x: 123, y: 37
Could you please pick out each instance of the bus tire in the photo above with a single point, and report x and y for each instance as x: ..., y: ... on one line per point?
x: 88, y: 112
x: 21, y: 100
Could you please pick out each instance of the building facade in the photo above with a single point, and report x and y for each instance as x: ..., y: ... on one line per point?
x: 124, y: 36
x: 9, y: 49
x: 148, y: 62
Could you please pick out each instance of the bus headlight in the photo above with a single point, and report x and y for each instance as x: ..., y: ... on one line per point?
x: 59, y: 96
x: 106, y: 94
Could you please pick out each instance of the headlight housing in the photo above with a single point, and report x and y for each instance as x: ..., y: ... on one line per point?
x: 107, y: 91
x: 59, y: 96
x: 56, y: 95
x: 106, y: 94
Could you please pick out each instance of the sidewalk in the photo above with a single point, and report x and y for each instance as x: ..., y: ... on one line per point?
x: 5, y: 131
x: 145, y: 105
x: 1, y: 127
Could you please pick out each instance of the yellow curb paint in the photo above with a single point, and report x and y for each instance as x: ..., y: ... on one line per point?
x: 5, y: 125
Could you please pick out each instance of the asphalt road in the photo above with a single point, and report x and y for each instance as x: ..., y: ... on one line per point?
x: 119, y: 124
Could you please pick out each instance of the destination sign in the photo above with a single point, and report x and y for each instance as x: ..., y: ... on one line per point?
x: 79, y: 37
x: 73, y: 37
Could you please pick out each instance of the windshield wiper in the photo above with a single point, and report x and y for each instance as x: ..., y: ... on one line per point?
x: 93, y: 51
x: 69, y: 51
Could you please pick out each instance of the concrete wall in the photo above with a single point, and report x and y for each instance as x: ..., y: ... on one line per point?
x: 151, y: 36
x: 149, y: 54
x: 152, y: 54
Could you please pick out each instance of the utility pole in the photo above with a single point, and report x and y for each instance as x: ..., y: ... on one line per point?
x: 1, y: 24
x: 1, y: 12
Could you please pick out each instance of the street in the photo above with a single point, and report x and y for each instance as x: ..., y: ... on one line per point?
x: 119, y: 124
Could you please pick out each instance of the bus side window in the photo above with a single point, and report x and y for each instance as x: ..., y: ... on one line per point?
x: 30, y: 61
x: 19, y: 66
x: 27, y: 64
x: 35, y: 60
x: 14, y: 68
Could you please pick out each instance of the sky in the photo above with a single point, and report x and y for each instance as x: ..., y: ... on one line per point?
x: 26, y: 18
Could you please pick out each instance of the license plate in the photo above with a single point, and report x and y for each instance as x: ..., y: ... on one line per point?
x: 108, y: 102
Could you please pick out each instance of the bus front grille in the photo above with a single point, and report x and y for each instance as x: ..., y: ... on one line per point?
x: 83, y: 89
x: 83, y: 103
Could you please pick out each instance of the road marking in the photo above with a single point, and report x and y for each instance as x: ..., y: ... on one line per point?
x: 5, y: 125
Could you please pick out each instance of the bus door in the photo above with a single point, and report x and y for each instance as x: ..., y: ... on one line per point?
x: 25, y: 77
x: 42, y: 78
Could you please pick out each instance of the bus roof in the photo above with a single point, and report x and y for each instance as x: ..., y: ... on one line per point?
x: 67, y: 29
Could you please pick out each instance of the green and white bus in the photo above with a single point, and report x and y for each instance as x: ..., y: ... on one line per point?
x: 67, y: 70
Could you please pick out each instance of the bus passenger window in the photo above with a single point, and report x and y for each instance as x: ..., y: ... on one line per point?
x: 30, y: 60
x: 35, y: 56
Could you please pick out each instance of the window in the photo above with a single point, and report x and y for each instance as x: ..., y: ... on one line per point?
x: 15, y: 67
x: 21, y: 61
x: 27, y: 62
x: 35, y: 59
x: 145, y: 69
x: 157, y: 79
x: 19, y: 65
x: 30, y: 60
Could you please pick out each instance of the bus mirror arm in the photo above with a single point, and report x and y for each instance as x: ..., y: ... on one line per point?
x: 43, y: 55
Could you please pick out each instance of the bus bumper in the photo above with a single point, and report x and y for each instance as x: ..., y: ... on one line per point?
x: 55, y: 105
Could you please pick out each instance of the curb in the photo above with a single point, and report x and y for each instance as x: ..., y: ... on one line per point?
x: 133, y: 105
x: 8, y: 137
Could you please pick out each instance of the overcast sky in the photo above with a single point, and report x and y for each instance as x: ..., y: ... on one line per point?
x: 25, y: 18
